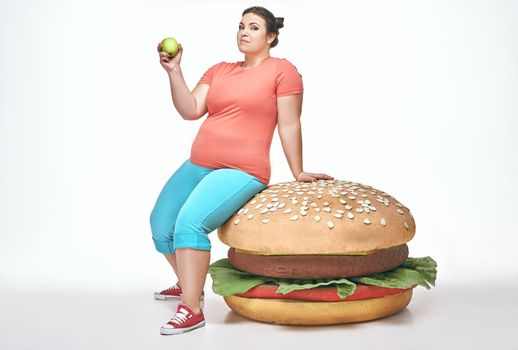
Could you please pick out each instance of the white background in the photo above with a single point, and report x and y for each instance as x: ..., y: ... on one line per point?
x: 416, y: 98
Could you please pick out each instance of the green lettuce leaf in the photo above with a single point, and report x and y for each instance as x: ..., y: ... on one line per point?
x: 426, y: 266
x: 421, y: 271
x: 227, y: 280
x: 344, y: 286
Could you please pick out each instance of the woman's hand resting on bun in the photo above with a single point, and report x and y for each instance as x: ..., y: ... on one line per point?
x: 305, y: 176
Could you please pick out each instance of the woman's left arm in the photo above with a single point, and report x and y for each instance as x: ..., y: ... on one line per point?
x: 289, y: 109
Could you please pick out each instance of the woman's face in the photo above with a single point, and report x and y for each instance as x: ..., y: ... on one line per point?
x: 252, y: 36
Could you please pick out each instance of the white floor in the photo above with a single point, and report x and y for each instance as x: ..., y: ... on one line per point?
x: 476, y: 316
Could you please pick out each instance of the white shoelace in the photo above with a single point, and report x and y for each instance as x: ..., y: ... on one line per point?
x: 175, y: 287
x: 180, y: 316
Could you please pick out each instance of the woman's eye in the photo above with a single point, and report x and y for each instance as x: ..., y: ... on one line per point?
x: 253, y: 28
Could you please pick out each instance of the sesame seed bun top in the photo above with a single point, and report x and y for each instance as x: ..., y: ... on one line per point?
x: 324, y: 217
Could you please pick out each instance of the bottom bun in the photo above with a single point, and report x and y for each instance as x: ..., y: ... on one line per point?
x: 295, y: 312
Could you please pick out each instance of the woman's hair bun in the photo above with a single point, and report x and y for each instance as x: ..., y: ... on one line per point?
x: 279, y: 21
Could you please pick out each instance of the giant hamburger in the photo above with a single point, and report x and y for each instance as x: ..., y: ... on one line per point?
x: 316, y: 253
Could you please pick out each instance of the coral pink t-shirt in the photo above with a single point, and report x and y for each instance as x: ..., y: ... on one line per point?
x: 242, y: 115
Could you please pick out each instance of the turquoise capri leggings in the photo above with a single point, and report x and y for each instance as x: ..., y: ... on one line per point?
x: 195, y: 201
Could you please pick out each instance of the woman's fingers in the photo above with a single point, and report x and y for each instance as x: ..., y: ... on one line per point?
x: 165, y: 57
x: 324, y: 176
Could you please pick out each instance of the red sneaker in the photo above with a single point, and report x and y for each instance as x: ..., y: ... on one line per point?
x: 184, y: 320
x: 174, y: 292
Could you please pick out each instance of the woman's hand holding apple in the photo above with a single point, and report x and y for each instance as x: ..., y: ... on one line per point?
x: 167, y: 61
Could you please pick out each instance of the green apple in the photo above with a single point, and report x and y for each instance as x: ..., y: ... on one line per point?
x: 170, y: 46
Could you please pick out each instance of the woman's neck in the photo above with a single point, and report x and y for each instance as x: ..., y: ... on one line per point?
x: 255, y: 60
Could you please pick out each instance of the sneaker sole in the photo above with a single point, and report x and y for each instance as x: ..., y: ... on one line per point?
x: 171, y: 331
x: 159, y: 296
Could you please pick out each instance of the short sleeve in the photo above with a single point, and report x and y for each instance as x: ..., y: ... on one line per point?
x: 288, y: 79
x: 209, y: 74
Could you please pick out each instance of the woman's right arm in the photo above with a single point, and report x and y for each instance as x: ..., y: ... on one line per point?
x: 190, y: 105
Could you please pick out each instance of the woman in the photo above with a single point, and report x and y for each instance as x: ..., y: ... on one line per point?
x: 229, y: 160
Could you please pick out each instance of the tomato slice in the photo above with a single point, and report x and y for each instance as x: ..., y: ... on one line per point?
x: 325, y: 293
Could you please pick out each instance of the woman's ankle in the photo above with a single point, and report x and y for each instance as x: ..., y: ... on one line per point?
x: 195, y: 308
